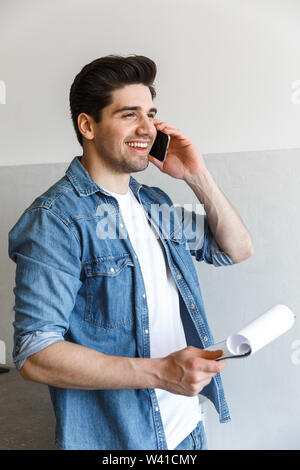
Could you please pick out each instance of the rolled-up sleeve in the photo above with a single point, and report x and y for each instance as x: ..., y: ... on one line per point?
x: 48, y: 265
x: 210, y: 251
x: 33, y: 343
x: 193, y: 226
x: 200, y: 239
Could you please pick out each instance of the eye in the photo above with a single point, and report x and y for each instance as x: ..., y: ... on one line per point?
x: 151, y: 115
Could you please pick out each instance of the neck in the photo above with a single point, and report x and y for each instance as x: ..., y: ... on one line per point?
x: 104, y: 176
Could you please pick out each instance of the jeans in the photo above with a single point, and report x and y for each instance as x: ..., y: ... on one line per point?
x: 196, y: 440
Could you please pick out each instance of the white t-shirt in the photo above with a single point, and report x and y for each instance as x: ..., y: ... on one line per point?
x: 180, y: 414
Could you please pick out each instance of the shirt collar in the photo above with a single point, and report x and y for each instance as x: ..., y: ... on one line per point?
x: 85, y: 185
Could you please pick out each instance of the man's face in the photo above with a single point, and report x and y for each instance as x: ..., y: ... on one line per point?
x: 118, y: 128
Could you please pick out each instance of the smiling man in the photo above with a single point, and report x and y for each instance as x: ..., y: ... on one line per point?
x: 115, y: 325
x: 121, y: 142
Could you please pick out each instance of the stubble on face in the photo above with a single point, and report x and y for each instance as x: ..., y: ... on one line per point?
x: 134, y: 164
x: 120, y: 161
x: 115, y: 130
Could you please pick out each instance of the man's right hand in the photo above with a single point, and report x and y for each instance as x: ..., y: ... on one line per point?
x: 188, y: 371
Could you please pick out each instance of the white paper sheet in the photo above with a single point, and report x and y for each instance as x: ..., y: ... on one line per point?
x: 257, y: 334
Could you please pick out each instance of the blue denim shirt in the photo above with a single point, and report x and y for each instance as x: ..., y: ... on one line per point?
x: 77, y: 282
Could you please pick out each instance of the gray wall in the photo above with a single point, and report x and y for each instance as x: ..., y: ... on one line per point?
x: 225, y: 69
x: 263, y: 390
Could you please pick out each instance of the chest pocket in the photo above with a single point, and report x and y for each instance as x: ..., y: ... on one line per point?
x: 109, y: 285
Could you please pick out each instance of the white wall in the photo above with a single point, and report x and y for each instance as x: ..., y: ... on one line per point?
x: 225, y: 69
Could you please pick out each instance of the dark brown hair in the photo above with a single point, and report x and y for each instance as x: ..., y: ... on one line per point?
x: 92, y: 88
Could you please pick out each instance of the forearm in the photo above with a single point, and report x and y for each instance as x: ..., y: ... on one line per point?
x: 68, y: 365
x: 225, y: 223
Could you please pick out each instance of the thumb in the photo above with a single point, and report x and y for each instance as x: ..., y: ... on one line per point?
x: 210, y: 354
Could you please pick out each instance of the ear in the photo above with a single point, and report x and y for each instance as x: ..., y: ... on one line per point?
x: 85, y: 126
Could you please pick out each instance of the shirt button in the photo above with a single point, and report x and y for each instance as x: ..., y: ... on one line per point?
x: 192, y: 306
x: 156, y: 408
x: 121, y: 225
x: 205, y: 338
x: 112, y: 270
x: 146, y: 331
x: 178, y: 276
x: 144, y: 296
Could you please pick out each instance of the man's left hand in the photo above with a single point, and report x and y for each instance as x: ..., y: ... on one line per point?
x: 183, y: 159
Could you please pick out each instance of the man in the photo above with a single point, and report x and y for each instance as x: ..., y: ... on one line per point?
x: 109, y: 311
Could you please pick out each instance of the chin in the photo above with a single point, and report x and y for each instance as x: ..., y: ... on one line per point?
x: 139, y: 167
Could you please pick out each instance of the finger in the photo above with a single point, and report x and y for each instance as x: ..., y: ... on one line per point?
x: 222, y: 363
x: 210, y: 354
x: 165, y: 126
x: 173, y: 132
x: 211, y: 366
x: 205, y: 382
x: 207, y: 375
x: 208, y: 366
x: 166, y: 129
x: 158, y: 123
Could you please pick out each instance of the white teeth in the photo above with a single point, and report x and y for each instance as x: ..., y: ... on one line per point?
x: 137, y: 144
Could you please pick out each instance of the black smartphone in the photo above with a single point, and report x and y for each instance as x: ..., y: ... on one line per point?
x: 160, y: 146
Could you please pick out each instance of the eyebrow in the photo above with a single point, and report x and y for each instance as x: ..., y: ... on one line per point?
x: 132, y: 108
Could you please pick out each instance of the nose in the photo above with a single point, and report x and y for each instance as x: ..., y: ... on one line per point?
x: 146, y: 126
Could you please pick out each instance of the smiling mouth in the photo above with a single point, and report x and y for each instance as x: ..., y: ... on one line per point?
x: 139, y: 149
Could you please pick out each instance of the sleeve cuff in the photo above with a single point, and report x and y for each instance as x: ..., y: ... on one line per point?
x: 33, y: 343
x: 219, y: 258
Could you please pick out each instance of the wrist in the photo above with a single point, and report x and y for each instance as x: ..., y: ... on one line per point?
x: 148, y: 372
x: 198, y: 178
x: 161, y: 372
